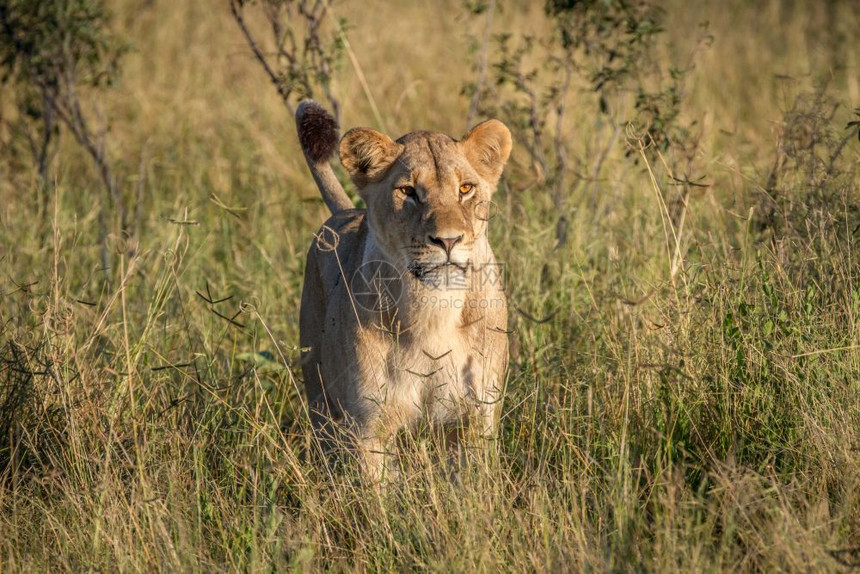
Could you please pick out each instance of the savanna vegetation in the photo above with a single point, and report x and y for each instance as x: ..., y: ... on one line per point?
x: 677, y: 225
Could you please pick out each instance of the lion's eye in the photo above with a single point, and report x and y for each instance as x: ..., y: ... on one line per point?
x: 466, y: 188
x: 406, y: 190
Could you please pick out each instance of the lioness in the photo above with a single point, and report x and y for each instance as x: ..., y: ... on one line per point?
x: 403, y: 317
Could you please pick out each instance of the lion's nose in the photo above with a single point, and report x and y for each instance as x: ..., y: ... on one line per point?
x: 446, y: 243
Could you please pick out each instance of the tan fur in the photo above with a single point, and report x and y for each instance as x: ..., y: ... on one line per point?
x: 437, y: 351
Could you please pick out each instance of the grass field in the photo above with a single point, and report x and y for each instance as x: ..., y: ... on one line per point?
x: 684, y: 387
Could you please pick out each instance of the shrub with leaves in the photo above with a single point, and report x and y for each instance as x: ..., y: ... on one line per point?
x: 605, y: 47
x: 49, y: 53
x: 812, y: 186
x: 301, y: 57
x: 55, y: 58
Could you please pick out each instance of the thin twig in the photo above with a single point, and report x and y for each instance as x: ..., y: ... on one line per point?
x: 482, y: 70
x: 824, y: 351
x: 236, y: 9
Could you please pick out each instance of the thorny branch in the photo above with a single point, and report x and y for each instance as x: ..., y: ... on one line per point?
x: 301, y: 60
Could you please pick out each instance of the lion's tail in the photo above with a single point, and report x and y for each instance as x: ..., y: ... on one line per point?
x: 318, y: 135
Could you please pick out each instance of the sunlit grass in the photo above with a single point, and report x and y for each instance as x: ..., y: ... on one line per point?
x: 689, y: 411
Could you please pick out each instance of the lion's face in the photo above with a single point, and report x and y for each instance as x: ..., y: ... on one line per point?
x: 428, y: 196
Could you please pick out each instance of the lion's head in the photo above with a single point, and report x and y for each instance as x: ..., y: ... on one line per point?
x: 428, y: 196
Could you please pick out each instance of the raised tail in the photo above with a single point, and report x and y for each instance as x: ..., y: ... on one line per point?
x: 318, y: 135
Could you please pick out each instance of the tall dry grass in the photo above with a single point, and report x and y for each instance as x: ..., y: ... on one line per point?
x: 686, y: 400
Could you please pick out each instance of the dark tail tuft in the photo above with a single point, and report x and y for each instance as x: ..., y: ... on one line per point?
x: 318, y: 131
x: 318, y: 134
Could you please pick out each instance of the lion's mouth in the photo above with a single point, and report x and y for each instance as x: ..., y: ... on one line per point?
x: 427, y: 271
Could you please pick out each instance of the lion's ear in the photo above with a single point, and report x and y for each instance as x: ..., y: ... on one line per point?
x: 487, y: 147
x: 367, y: 154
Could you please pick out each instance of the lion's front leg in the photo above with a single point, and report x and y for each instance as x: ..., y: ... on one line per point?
x: 376, y: 457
